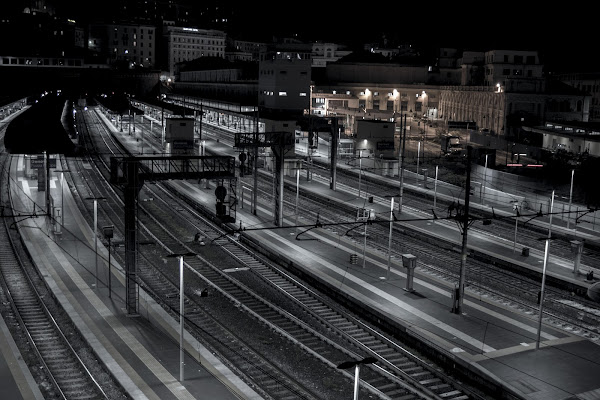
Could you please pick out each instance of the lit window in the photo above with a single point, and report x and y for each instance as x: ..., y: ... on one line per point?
x: 302, y: 94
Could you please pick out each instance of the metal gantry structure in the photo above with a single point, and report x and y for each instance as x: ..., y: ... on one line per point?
x: 280, y: 143
x: 130, y: 173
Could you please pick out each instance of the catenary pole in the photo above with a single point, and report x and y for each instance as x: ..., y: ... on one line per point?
x: 457, y: 306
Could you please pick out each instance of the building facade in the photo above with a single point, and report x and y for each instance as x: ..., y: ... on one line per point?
x: 124, y: 43
x: 514, y: 92
x: 185, y: 44
x: 352, y: 103
x: 324, y: 53
x: 284, y: 77
x: 588, y: 82
x: 250, y: 50
x: 498, y: 91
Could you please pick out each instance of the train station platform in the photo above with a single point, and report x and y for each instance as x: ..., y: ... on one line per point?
x: 142, y: 352
x: 489, y: 339
x: 17, y: 381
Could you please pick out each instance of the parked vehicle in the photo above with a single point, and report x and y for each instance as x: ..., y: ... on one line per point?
x: 450, y: 144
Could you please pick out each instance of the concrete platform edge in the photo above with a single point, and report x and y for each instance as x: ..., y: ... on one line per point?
x: 149, y: 307
x: 431, y: 344
x: 21, y: 373
x: 158, y: 316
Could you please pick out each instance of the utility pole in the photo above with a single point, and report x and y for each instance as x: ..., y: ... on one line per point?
x: 255, y: 161
x: 460, y: 291
x: 47, y: 183
x: 334, y: 151
x: 401, y: 172
x: 201, y: 115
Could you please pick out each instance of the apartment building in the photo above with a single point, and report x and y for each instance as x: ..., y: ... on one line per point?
x: 133, y: 44
x: 249, y: 48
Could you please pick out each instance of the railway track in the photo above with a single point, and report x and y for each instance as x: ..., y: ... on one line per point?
x: 61, y: 378
x: 562, y: 309
x: 66, y: 375
x: 575, y: 314
x: 308, y: 324
x: 503, y: 226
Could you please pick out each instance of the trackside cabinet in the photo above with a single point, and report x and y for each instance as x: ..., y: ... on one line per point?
x: 409, y: 262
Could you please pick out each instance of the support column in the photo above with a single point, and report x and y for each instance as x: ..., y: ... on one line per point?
x: 279, y: 178
x: 131, y: 192
x: 334, y: 153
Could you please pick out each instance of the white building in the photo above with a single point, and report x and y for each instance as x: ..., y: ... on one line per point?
x: 185, y: 44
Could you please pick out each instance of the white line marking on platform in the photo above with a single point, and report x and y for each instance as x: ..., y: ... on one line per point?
x: 391, y: 299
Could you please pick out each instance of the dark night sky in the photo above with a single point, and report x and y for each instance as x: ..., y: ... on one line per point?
x: 562, y: 36
x: 566, y: 35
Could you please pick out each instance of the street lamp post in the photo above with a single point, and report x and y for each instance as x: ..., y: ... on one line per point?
x: 484, y: 180
x: 62, y: 194
x: 435, y: 188
x: 356, y: 365
x: 108, y: 234
x: 365, y: 244
x: 142, y: 137
x: 181, y: 309
x: 95, y: 232
x: 359, y: 170
x: 546, y: 251
x: 516, y: 207
x: 390, y: 238
x: 418, y: 152
x: 570, y: 200
x: 297, y: 195
x: 401, y: 166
